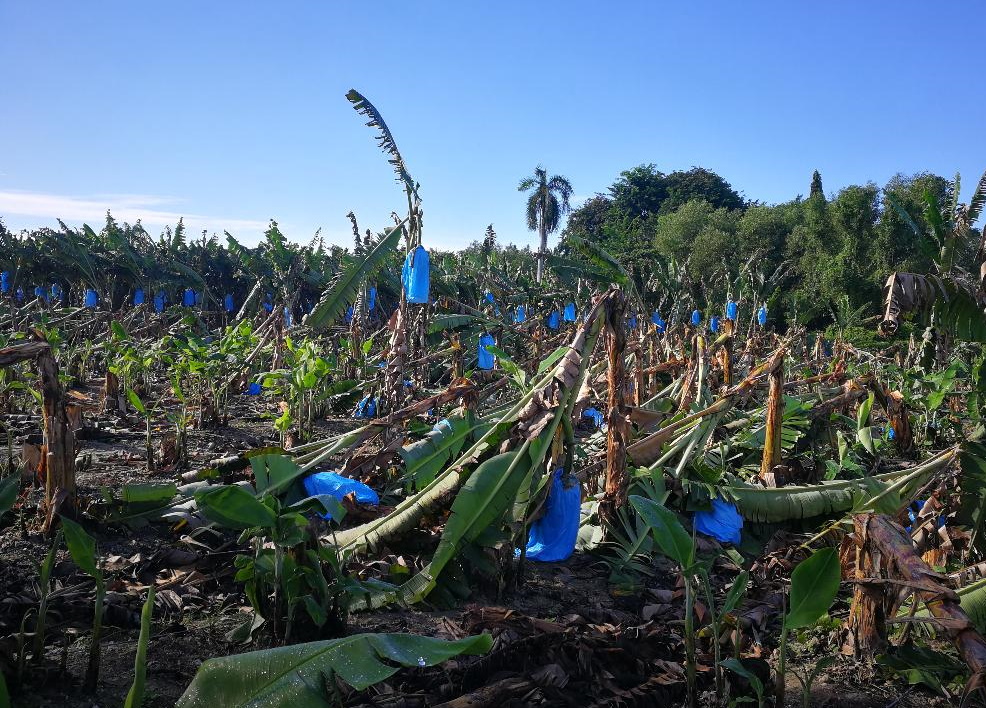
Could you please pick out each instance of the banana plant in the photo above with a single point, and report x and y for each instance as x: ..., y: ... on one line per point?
x: 539, y: 410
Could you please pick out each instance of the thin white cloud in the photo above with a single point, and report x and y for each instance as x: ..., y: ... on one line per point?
x: 124, y: 207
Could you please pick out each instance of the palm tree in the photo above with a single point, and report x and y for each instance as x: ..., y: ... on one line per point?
x: 544, y: 210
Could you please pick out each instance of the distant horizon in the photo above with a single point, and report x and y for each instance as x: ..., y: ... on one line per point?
x: 130, y: 207
x: 235, y: 114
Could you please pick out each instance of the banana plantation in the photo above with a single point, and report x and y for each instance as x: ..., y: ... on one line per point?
x: 390, y: 476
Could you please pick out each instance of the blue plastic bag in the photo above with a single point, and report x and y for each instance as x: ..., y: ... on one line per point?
x: 552, y: 537
x: 714, y: 323
x: 632, y: 323
x: 40, y: 292
x: 20, y: 295
x: 570, y: 312
x: 489, y: 297
x: 723, y: 523
x: 366, y: 408
x: 188, y: 298
x: 198, y: 298
x: 597, y: 418
x: 486, y: 360
x: 288, y: 319
x: 4, y: 282
x: 521, y: 313
x: 696, y: 318
x: 371, y: 299
x: 159, y: 301
x: 349, y: 314
x: 228, y: 304
x: 553, y: 320
x: 269, y: 304
x: 138, y: 296
x: 254, y: 389
x: 762, y: 315
x: 732, y: 310
x: 56, y: 292
x: 891, y: 433
x: 416, y: 276
x: 659, y: 324
x: 91, y: 298
x: 339, y: 487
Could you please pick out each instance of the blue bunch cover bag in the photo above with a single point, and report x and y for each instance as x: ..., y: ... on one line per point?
x: 486, y: 359
x: 552, y: 537
x: 416, y: 276
x: 723, y: 523
x: 339, y: 487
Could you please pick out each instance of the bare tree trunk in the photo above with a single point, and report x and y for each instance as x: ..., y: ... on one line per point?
x: 59, y: 440
x: 772, y: 432
x: 891, y: 551
x: 618, y: 430
x: 541, y: 251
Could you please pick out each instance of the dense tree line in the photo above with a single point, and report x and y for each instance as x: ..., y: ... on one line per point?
x: 808, y: 254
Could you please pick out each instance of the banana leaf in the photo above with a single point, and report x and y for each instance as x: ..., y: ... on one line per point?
x: 440, y: 323
x: 425, y: 458
x: 300, y: 675
x: 9, y: 487
x: 480, y: 504
x: 774, y: 505
x: 342, y: 292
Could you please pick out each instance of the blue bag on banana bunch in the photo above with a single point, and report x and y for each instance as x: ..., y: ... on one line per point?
x: 552, y: 537
x: 339, y: 487
x: 723, y: 523
x: 416, y: 276
x: 366, y: 408
x: 598, y: 419
x: 485, y: 359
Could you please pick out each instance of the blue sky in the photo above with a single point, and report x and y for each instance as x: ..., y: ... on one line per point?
x: 232, y: 113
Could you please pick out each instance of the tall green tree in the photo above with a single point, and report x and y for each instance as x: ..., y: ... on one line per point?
x: 816, y: 185
x: 546, y: 205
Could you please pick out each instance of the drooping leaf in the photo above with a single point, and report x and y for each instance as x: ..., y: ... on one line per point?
x: 81, y: 546
x: 273, y: 472
x: 674, y: 541
x: 234, y: 507
x: 136, y: 402
x: 9, y: 488
x: 291, y: 676
x: 385, y: 139
x: 814, y: 585
x: 922, y: 665
x: 736, y: 666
